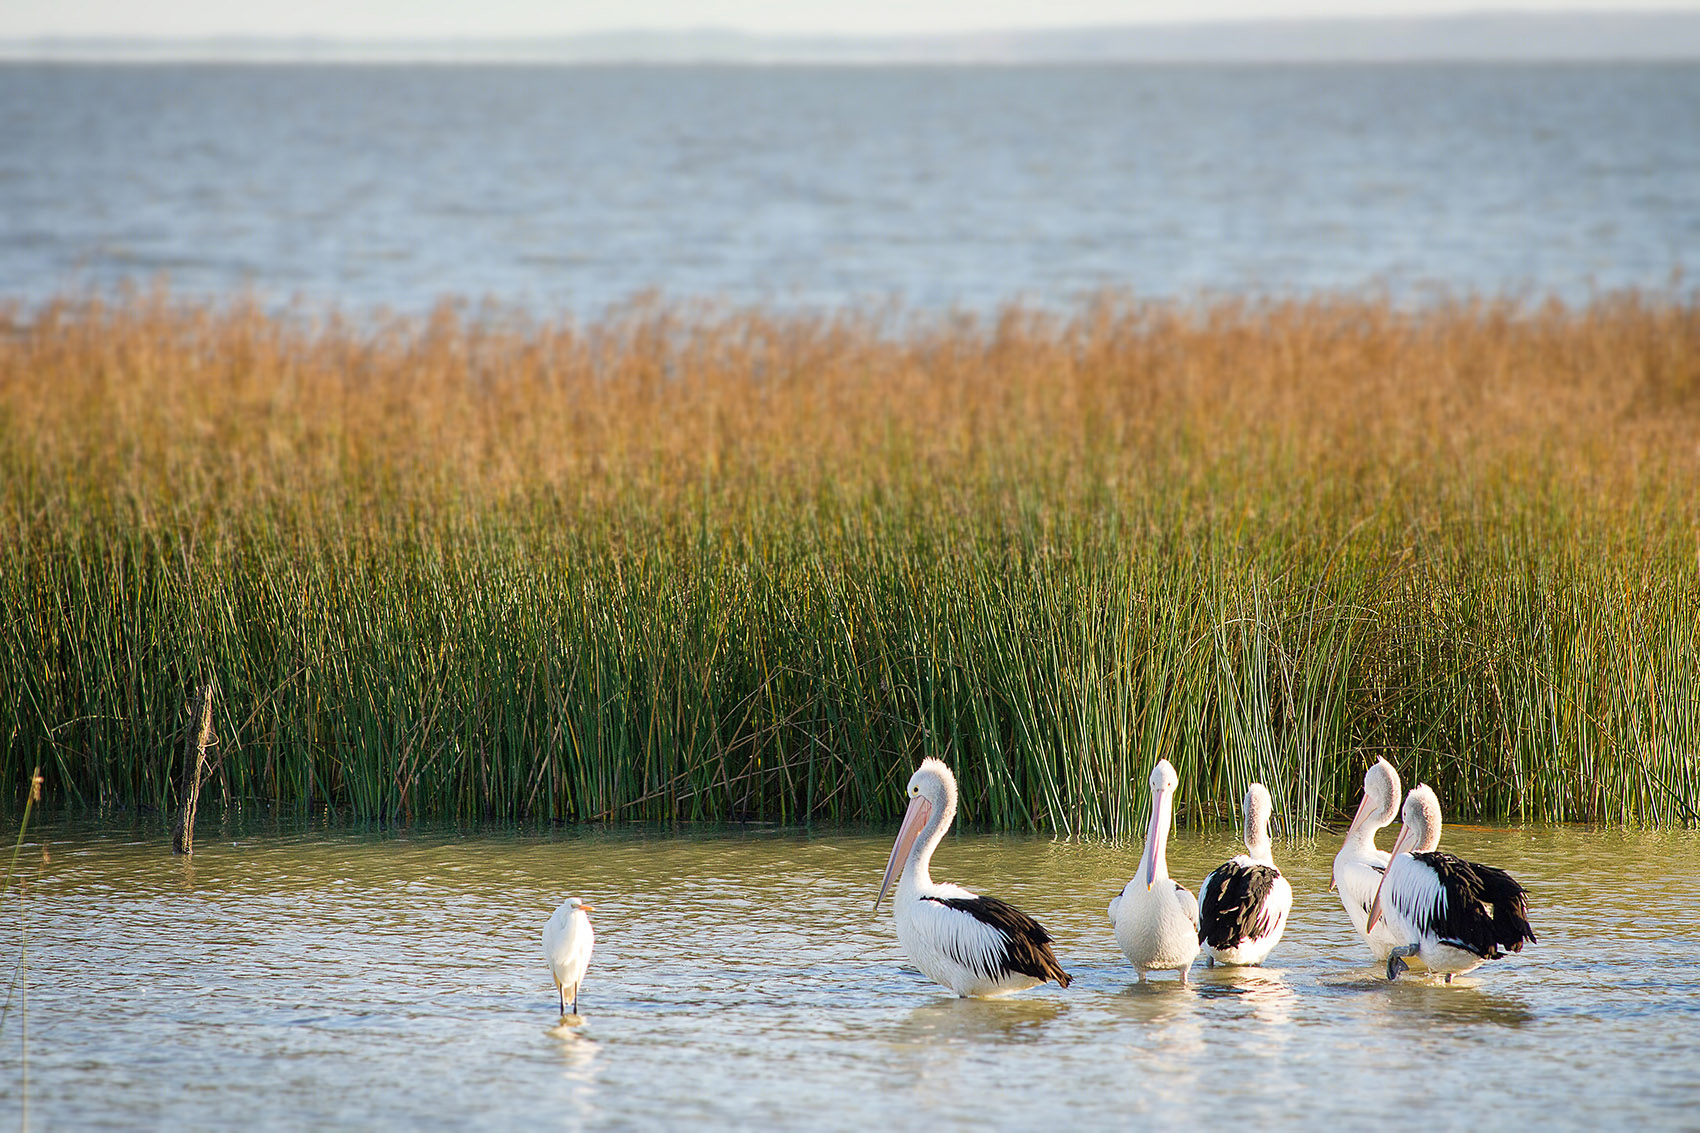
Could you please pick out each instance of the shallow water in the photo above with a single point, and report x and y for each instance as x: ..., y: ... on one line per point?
x: 569, y: 188
x: 740, y: 979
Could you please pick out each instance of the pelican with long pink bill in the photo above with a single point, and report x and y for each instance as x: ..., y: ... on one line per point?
x: 1156, y: 919
x: 1452, y: 914
x: 972, y: 945
x: 1359, y: 865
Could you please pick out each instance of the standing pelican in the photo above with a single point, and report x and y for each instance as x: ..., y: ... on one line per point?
x: 1243, y: 904
x: 973, y: 945
x: 1156, y: 919
x: 567, y: 941
x: 1452, y: 913
x: 1359, y: 865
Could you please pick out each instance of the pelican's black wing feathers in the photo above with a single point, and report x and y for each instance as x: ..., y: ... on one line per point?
x: 1234, y: 908
x: 1026, y: 944
x: 1485, y: 911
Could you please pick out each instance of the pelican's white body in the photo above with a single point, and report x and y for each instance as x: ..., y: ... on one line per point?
x: 1359, y: 865
x: 1357, y: 878
x: 1157, y: 928
x: 1412, y: 889
x: 567, y: 943
x: 933, y: 935
x: 1155, y: 918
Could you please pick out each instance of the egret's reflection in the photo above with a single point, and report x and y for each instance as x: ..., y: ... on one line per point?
x: 578, y: 1053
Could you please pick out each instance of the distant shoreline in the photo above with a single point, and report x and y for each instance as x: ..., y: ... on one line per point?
x: 1482, y: 37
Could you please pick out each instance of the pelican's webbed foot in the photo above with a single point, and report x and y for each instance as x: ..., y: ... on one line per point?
x: 1396, y: 960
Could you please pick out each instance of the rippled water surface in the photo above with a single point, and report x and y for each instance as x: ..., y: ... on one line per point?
x: 336, y: 979
x: 570, y: 188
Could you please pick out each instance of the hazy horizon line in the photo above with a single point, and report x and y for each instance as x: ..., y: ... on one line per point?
x: 1487, y: 35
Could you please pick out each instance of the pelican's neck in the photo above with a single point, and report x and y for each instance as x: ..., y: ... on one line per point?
x: 1257, y: 845
x: 1360, y: 839
x: 916, y: 871
x: 1154, y: 862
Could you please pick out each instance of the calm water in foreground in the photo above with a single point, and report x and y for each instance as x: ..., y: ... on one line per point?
x: 337, y: 979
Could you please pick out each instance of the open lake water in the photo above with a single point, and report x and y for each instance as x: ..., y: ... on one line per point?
x: 326, y: 979
x: 567, y: 189
x: 298, y: 977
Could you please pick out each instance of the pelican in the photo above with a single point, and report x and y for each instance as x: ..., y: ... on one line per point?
x: 1156, y: 919
x: 1451, y: 913
x: 567, y: 941
x: 1359, y: 865
x: 973, y: 945
x: 1243, y: 904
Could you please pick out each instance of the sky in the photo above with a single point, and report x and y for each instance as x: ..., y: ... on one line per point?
x: 409, y: 19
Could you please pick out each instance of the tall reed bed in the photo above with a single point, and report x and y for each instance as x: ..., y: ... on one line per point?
x: 697, y: 564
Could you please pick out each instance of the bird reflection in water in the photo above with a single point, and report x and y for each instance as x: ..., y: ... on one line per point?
x: 1245, y: 985
x: 1165, y: 1013
x: 1426, y: 1001
x: 941, y: 1021
x: 1265, y: 991
x: 569, y: 1028
x: 578, y: 1060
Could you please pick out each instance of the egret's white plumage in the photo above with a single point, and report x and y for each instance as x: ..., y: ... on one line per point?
x: 1156, y: 919
x: 1451, y: 914
x: 567, y: 942
x: 1358, y: 866
x: 1244, y: 902
x: 972, y: 945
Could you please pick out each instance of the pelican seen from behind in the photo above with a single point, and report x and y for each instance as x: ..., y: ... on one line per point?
x: 1244, y: 902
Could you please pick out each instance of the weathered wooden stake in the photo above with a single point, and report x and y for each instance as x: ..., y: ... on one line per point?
x: 194, y: 764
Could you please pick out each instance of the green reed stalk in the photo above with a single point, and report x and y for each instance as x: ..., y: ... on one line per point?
x: 18, y: 988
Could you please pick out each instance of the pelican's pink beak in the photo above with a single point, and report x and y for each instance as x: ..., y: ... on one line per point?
x: 913, y: 820
x: 1357, y: 819
x: 1151, y: 844
x: 1405, y: 840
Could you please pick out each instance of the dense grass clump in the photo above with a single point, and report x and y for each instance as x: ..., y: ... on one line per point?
x: 687, y: 564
